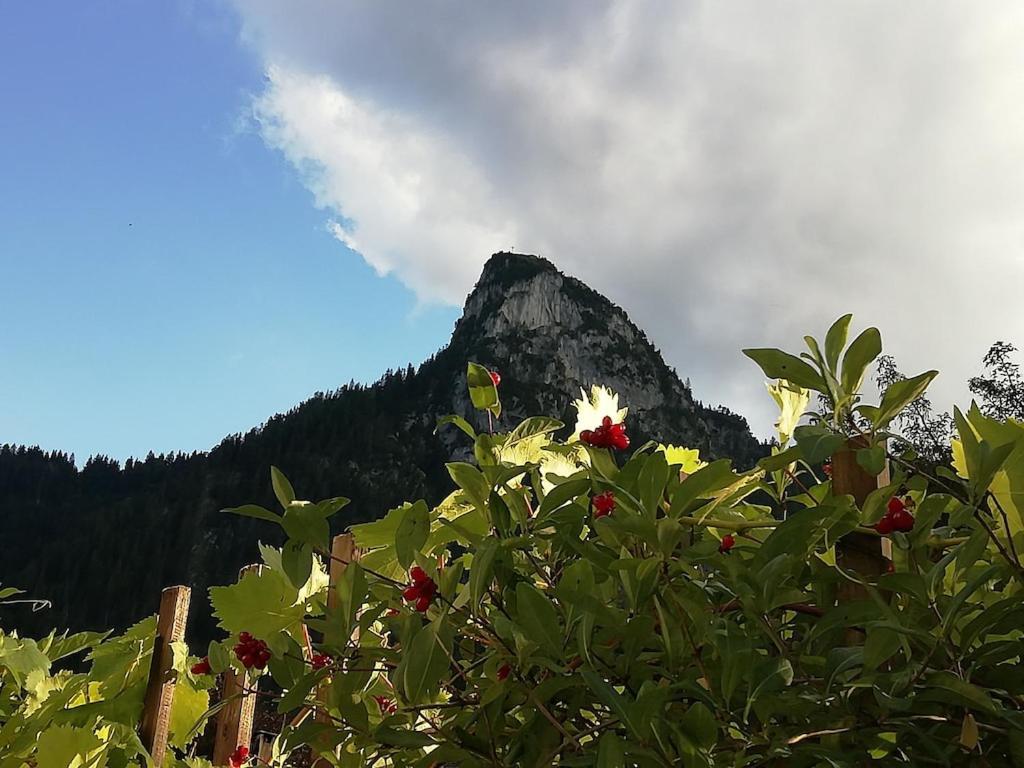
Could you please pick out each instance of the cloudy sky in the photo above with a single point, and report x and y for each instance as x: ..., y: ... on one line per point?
x: 731, y: 173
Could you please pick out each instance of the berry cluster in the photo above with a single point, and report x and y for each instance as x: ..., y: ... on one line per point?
x: 607, y: 435
x: 202, y: 667
x: 386, y: 705
x: 496, y: 378
x: 728, y: 542
x: 321, y: 661
x: 239, y: 757
x: 604, y: 504
x: 251, y: 652
x: 422, y: 589
x: 897, y: 518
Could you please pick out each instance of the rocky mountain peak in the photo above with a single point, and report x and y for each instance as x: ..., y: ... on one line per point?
x: 552, y: 335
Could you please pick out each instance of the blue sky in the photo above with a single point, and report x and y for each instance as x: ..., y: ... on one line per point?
x: 165, y: 278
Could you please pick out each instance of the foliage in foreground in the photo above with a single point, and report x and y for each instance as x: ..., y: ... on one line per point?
x: 569, y: 605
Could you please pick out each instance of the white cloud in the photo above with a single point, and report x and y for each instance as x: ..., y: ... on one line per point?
x: 733, y: 174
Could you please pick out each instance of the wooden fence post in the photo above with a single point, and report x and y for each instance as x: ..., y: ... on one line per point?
x: 343, y: 552
x: 266, y: 749
x: 862, y: 553
x: 156, y: 713
x: 234, y: 721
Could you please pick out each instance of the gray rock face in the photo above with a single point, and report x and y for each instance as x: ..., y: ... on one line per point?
x: 549, y: 335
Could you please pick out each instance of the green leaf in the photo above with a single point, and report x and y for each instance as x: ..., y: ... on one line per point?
x: 958, y: 601
x: 967, y: 693
x: 423, y: 664
x: 872, y: 460
x: 777, y: 364
x: 472, y: 481
x: 22, y: 657
x: 218, y: 656
x: 537, y: 616
x: 898, y: 396
x: 282, y: 488
x: 351, y: 591
x: 531, y: 427
x: 412, y: 532
x: 817, y: 442
x: 482, y: 571
x: 333, y: 505
x: 880, y: 645
x: 705, y: 481
x: 500, y: 515
x: 780, y: 460
x: 654, y: 475
x: 405, y: 738
x: 561, y: 494
x: 297, y: 562
x: 482, y: 392
x: 188, y: 709
x: 304, y: 522
x: 699, y: 724
x: 61, y: 746
x: 835, y: 340
x: 10, y: 592
x: 262, y: 603
x: 255, y: 510
x: 865, y: 348
x: 773, y: 675
x: 610, y: 752
x: 459, y: 422
x: 379, y: 533
x: 611, y: 699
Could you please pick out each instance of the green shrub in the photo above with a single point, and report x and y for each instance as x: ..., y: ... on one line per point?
x: 692, y: 615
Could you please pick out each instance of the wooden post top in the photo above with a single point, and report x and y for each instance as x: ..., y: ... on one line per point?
x: 156, y: 713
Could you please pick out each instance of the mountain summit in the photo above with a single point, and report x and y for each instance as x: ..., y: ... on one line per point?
x: 553, y: 335
x: 102, y: 541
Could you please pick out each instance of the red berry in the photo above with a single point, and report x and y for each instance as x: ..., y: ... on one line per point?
x: 320, y: 661
x: 504, y: 671
x: 239, y: 757
x: 606, y: 422
x: 728, y: 542
x: 884, y: 526
x: 496, y: 378
x: 587, y: 436
x: 604, y: 504
x: 902, y: 521
x: 386, y: 705
x: 896, y: 505
x: 252, y: 652
x: 421, y: 591
x: 827, y: 468
x: 202, y: 667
